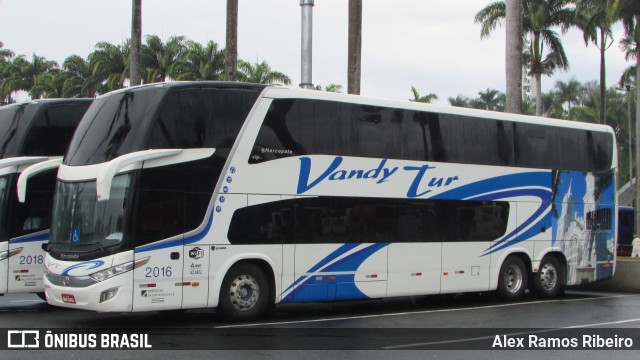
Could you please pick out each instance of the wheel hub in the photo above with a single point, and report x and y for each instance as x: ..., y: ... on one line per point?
x: 244, y: 292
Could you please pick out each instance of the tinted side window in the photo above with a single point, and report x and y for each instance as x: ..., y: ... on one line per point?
x: 173, y: 199
x: 200, y: 118
x: 303, y: 127
x: 355, y: 220
x: 487, y: 142
x: 52, y: 131
x: 599, y: 150
x: 537, y: 147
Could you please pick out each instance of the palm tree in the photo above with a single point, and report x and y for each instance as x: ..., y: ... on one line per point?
x: 540, y: 18
x: 135, y: 69
x: 568, y: 92
x: 423, y: 99
x: 12, y: 77
x: 489, y: 98
x: 34, y: 69
x: 595, y: 21
x: 109, y: 65
x: 629, y: 12
x: 200, y: 62
x: 459, y: 101
x: 160, y: 59
x: 354, y: 55
x: 231, y: 51
x: 81, y: 83
x: 334, y: 88
x: 50, y: 85
x: 513, y: 55
x: 260, y: 73
x: 5, y: 55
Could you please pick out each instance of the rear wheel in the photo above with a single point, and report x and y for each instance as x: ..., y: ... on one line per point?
x: 548, y: 282
x: 512, y: 281
x: 245, y: 293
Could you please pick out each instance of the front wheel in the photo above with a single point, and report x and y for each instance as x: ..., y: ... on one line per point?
x: 512, y: 281
x: 548, y: 282
x: 245, y: 293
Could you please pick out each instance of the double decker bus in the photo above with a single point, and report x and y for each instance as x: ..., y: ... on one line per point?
x: 33, y: 138
x: 236, y: 197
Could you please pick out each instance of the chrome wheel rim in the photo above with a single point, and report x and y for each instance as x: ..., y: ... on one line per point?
x: 548, y: 276
x: 244, y: 292
x: 513, y: 278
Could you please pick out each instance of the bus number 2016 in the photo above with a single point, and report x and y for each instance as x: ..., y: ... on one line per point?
x: 158, y: 271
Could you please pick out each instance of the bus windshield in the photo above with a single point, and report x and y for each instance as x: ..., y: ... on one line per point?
x: 160, y: 118
x: 83, y: 224
x: 112, y: 127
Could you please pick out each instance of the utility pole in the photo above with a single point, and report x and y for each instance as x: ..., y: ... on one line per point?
x: 307, y: 44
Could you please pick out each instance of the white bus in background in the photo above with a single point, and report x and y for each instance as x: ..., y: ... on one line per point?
x: 237, y: 196
x: 33, y: 138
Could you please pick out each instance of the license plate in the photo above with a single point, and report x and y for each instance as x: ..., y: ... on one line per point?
x: 68, y: 298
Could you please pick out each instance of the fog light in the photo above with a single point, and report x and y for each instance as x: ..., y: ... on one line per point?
x: 108, y: 294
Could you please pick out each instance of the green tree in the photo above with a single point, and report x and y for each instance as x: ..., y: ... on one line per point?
x: 629, y: 12
x: 109, y: 65
x: 200, y: 62
x: 260, y: 73
x: 490, y: 99
x: 5, y: 56
x: 334, y: 88
x: 568, y: 92
x: 422, y: 98
x: 595, y: 21
x: 541, y: 17
x: 81, y: 83
x: 50, y: 85
x: 459, y: 101
x: 159, y: 60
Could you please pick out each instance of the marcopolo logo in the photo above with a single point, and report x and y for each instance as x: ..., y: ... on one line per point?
x: 23, y: 339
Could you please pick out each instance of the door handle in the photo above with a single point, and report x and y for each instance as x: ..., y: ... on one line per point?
x: 175, y: 255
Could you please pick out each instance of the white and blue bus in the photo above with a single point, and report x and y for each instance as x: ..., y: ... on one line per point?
x: 237, y: 197
x: 33, y: 138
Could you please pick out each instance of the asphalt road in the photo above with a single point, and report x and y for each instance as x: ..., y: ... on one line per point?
x: 464, y: 326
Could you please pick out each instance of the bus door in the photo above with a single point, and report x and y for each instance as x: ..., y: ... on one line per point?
x: 159, y: 225
x: 464, y: 266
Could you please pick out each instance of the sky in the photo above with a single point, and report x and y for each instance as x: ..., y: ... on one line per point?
x: 433, y: 45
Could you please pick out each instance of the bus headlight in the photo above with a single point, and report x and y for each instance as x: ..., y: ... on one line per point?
x: 9, y: 253
x: 103, y: 275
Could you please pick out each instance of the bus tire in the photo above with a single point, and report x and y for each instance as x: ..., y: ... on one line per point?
x: 245, y: 293
x: 512, y: 281
x: 42, y: 296
x: 548, y: 282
